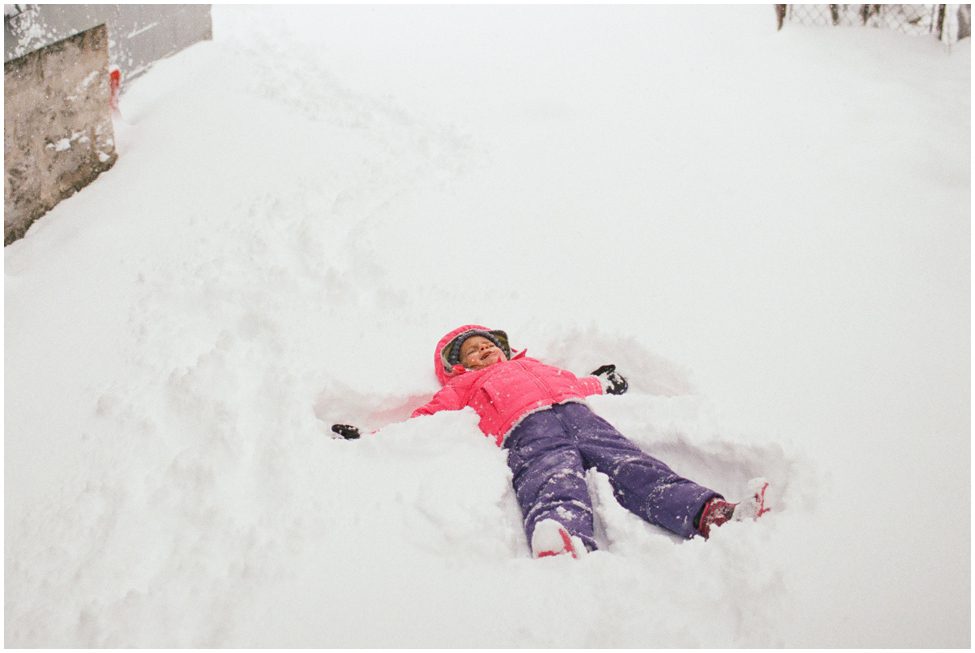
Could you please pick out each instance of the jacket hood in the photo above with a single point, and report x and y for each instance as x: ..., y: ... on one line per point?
x: 443, y: 369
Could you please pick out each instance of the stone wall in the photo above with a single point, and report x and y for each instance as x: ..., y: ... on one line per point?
x: 57, y: 126
x: 139, y: 35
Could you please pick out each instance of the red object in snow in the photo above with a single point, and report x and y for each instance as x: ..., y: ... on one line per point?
x: 114, y: 83
x: 567, y: 546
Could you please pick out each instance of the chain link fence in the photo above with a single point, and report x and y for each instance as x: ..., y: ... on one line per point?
x: 944, y: 22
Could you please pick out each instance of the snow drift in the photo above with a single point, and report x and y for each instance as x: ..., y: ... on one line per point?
x: 769, y: 234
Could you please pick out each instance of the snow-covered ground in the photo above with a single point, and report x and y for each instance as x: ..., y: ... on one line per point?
x: 769, y: 233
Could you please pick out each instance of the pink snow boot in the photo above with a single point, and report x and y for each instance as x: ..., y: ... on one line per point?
x: 717, y: 511
x: 551, y: 539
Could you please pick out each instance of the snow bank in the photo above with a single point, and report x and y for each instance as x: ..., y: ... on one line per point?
x: 769, y: 233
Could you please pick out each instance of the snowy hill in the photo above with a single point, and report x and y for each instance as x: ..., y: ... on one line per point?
x: 769, y: 233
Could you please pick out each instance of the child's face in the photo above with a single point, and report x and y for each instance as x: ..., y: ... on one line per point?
x: 478, y: 352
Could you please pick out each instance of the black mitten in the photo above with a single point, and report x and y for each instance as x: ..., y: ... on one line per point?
x: 347, y: 431
x: 613, y: 382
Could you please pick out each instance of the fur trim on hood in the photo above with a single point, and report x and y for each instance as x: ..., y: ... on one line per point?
x: 446, y: 358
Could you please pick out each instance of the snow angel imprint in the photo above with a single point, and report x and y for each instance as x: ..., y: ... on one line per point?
x: 539, y: 414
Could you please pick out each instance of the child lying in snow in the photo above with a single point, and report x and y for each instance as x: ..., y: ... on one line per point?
x: 538, y: 413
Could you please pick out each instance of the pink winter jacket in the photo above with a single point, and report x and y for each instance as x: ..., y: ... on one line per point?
x: 505, y: 392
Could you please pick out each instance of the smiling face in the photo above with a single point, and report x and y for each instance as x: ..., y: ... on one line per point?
x: 478, y: 352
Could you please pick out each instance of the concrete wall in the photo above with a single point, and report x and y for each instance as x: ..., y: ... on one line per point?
x: 58, y: 133
x: 138, y: 35
x: 57, y: 127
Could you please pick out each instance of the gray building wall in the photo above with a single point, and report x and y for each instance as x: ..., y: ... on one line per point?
x: 57, y: 129
x: 138, y: 35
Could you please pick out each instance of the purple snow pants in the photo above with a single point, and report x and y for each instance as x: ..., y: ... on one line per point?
x: 549, y: 452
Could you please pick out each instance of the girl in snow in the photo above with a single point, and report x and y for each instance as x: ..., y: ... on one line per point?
x: 538, y: 413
